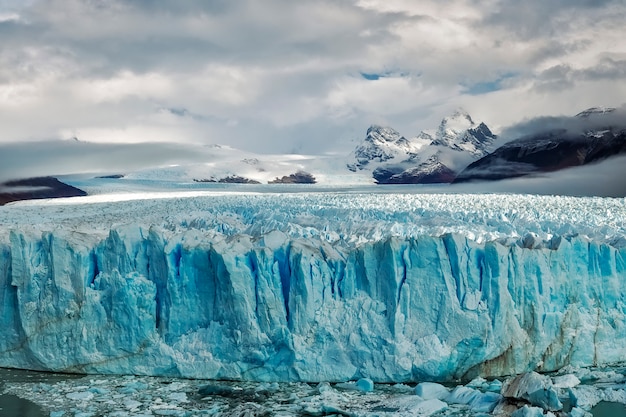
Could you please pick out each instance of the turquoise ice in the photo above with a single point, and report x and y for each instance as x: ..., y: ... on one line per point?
x: 278, y: 295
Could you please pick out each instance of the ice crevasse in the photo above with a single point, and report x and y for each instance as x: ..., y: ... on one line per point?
x: 274, y: 307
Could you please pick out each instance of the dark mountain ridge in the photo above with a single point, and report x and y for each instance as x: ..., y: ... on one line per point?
x: 583, y: 141
x: 36, y: 188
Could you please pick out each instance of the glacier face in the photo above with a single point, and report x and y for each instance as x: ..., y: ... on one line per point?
x: 314, y: 287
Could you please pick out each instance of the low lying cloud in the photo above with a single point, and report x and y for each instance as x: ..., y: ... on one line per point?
x: 53, y: 158
x: 602, y: 179
x: 571, y: 125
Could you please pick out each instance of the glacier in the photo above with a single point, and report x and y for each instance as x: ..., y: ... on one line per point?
x: 313, y: 286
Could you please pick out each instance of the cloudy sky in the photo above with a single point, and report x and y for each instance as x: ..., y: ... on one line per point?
x: 298, y: 76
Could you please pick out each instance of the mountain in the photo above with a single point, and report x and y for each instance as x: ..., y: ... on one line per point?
x: 588, y: 137
x: 430, y: 157
x: 459, y: 132
x: 382, y: 144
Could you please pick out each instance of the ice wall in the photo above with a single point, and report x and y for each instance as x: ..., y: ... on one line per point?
x: 278, y: 308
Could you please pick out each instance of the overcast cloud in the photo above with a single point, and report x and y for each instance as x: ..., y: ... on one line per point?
x: 298, y: 76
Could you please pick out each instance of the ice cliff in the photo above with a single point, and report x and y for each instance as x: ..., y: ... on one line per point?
x: 292, y: 299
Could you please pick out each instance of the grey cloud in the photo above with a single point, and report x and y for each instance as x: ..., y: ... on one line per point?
x: 537, y: 18
x: 553, y: 48
x: 555, y: 78
x: 143, y: 35
x: 563, y: 76
x: 607, y: 68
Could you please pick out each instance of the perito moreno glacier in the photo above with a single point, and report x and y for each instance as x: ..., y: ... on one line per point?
x: 313, y: 286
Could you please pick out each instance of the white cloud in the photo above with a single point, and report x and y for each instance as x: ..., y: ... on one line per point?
x: 123, y: 85
x: 272, y: 75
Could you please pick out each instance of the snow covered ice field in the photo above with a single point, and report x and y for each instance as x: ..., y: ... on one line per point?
x: 308, y: 286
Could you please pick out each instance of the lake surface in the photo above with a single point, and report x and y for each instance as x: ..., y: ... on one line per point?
x: 12, y: 405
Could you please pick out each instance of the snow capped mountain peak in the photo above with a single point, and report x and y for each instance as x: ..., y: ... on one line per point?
x: 381, y: 134
x: 459, y: 132
x: 381, y: 144
x: 595, y: 111
x: 453, y: 126
x: 457, y: 121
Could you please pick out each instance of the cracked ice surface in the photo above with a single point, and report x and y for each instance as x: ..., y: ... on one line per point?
x: 312, y: 286
x: 345, y: 217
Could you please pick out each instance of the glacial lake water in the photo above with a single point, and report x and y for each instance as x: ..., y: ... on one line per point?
x: 12, y: 405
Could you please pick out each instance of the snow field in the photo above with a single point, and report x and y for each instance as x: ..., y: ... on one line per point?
x: 341, y: 217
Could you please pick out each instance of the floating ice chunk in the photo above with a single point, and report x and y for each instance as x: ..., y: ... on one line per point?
x: 495, y: 386
x: 478, y: 382
x: 220, y: 390
x: 565, y: 381
x: 476, y: 400
x: 402, y: 388
x: 527, y: 411
x: 524, y: 384
x: 80, y: 396
x: 579, y: 412
x: 585, y: 396
x: 430, y: 390
x: 548, y: 399
x: 169, y: 412
x: 534, y: 388
x: 99, y: 390
x: 429, y: 407
x: 323, y: 387
x: 363, y: 385
x: 179, y: 397
x: 415, y: 405
x: 586, y: 375
x: 132, y: 404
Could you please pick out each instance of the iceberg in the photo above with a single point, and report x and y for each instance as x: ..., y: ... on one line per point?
x: 306, y: 287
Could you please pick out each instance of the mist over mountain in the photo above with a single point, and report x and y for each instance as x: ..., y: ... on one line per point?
x: 552, y: 144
